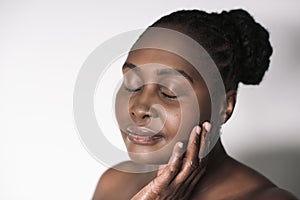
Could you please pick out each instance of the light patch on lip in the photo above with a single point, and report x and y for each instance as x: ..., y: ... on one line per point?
x: 143, y: 140
x: 142, y: 135
x: 140, y: 131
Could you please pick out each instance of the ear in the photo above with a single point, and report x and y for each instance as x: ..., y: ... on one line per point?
x: 230, y: 104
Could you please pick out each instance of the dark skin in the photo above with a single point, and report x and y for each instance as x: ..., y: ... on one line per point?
x: 181, y: 176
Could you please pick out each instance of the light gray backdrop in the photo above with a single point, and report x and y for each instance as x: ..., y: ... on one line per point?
x: 42, y: 47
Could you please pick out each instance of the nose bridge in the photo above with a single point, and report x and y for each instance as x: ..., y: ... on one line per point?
x: 141, y: 109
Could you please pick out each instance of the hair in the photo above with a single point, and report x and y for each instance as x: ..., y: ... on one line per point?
x: 238, y: 45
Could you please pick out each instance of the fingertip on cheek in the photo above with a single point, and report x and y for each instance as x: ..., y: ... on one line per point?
x: 207, y: 126
x: 198, y: 130
x: 180, y: 145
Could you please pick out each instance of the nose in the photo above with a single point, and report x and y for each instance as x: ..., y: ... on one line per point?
x: 140, y: 114
x: 141, y: 109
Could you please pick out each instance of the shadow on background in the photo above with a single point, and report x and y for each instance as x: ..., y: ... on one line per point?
x: 281, y: 166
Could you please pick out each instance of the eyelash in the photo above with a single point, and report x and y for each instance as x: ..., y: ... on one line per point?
x: 164, y: 94
x: 132, y: 90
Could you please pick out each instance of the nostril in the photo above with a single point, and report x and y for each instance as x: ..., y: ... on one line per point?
x: 132, y: 114
x: 146, y: 116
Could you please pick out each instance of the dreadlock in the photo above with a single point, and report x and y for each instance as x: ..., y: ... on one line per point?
x: 238, y: 45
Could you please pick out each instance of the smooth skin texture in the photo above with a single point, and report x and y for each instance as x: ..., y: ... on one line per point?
x: 177, y: 101
x: 181, y: 176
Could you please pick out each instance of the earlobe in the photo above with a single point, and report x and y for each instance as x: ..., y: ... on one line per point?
x: 230, y: 104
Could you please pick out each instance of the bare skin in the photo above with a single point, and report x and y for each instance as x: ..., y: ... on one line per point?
x: 185, y: 176
x: 224, y: 178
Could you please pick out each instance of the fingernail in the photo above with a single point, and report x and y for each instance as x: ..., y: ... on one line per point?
x: 180, y: 145
x: 207, y: 126
x: 198, y: 130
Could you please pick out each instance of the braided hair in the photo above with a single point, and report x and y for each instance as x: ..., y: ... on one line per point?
x: 238, y: 45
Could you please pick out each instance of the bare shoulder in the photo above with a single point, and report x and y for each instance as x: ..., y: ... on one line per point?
x: 261, y: 188
x: 115, y: 184
x: 111, y: 180
x: 234, y: 180
x: 273, y: 193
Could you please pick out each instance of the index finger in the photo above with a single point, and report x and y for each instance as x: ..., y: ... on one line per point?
x: 191, y: 161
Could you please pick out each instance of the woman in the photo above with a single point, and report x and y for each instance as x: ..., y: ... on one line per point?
x: 160, y: 125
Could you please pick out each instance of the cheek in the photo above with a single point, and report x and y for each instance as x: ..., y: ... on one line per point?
x: 121, y: 110
x: 180, y: 122
x: 172, y: 122
x: 190, y: 118
x: 205, y: 108
x: 204, y: 102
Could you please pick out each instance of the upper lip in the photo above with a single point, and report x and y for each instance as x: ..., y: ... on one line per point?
x: 140, y: 131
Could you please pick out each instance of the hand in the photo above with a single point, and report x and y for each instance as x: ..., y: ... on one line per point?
x: 177, y: 179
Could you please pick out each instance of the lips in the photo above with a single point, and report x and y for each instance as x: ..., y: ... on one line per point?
x: 142, y: 135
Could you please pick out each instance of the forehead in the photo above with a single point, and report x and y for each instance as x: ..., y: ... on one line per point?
x: 163, y: 58
x: 152, y: 62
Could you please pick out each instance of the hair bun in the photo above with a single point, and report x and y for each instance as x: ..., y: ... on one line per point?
x: 252, y: 40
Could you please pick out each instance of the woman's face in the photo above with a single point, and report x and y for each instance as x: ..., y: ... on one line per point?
x: 157, y: 104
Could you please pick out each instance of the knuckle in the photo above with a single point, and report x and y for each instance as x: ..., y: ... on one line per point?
x: 154, y: 188
x: 175, y: 159
x: 172, y: 169
x: 196, y: 141
x: 192, y: 165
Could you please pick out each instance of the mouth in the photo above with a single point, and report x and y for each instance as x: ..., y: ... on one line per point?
x: 142, y: 135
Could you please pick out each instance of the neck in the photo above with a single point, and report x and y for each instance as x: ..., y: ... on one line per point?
x: 216, y: 160
x: 217, y: 156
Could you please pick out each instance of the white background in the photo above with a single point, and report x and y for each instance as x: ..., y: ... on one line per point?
x: 42, y: 47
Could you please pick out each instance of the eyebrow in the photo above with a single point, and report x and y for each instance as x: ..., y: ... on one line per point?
x: 161, y: 71
x: 175, y: 72
x: 130, y: 66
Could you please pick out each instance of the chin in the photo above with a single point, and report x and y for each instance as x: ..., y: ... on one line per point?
x: 149, y: 158
x: 152, y: 155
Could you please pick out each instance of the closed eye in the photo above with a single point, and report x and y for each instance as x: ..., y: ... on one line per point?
x: 132, y: 89
x: 169, y: 96
x: 165, y: 94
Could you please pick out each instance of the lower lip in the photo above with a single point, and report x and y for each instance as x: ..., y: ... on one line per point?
x: 144, y: 140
